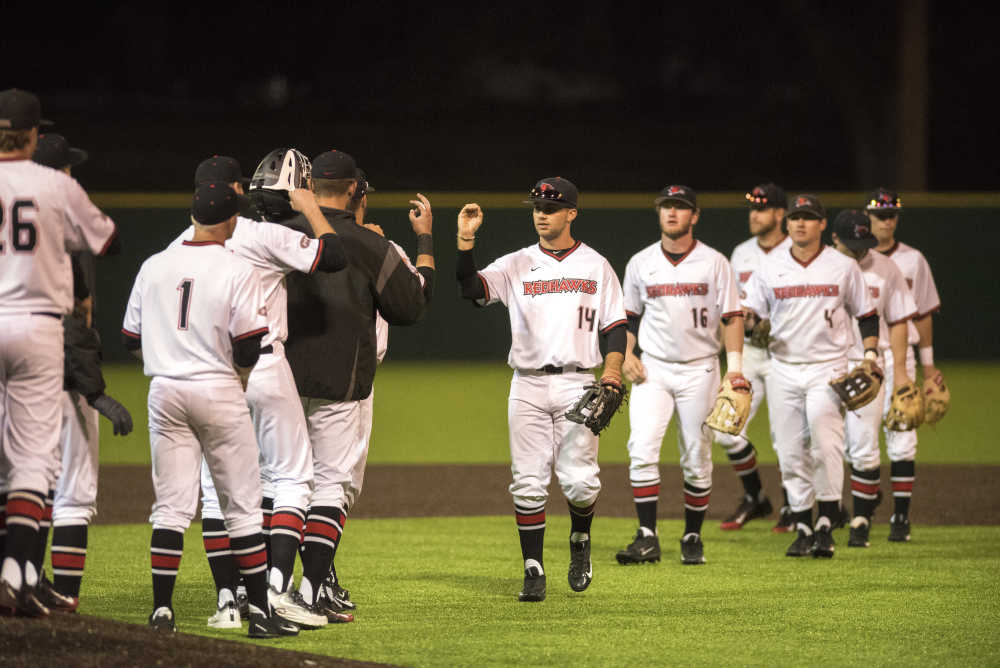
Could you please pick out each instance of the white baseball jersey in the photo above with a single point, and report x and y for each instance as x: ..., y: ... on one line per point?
x: 918, y: 277
x: 44, y: 213
x: 557, y: 304
x: 681, y: 303
x: 189, y: 305
x: 274, y: 251
x: 802, y: 300
x: 890, y: 296
x: 747, y: 257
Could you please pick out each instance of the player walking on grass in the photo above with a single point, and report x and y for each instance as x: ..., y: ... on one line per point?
x: 767, y: 204
x: 894, y: 303
x: 677, y: 292
x: 801, y: 291
x: 45, y: 214
x: 562, y: 295
x: 884, y: 208
x: 196, y: 317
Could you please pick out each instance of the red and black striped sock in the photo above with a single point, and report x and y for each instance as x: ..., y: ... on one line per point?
x: 744, y: 461
x: 324, y: 529
x: 24, y: 515
x: 266, y: 509
x: 250, y: 556
x: 165, y: 549
x: 286, y: 533
x: 646, y: 496
x: 903, y: 475
x: 581, y: 517
x: 69, y: 554
x: 864, y: 491
x: 220, y: 555
x: 44, y: 525
x: 695, y: 505
x: 3, y: 524
x: 531, y: 531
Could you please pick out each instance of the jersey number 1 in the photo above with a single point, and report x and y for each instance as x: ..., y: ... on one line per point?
x: 185, y: 288
x: 586, y: 315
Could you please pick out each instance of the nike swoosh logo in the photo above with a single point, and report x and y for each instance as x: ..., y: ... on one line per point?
x: 534, y: 268
x: 646, y: 550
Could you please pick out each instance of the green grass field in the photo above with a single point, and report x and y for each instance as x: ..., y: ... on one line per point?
x: 456, y: 413
x: 442, y: 592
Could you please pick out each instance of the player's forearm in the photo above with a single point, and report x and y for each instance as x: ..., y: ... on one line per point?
x: 732, y: 335
x: 317, y: 221
x: 425, y: 251
x: 925, y: 344
x: 630, y: 342
x: 613, y: 366
x: 870, y: 343
x: 897, y: 344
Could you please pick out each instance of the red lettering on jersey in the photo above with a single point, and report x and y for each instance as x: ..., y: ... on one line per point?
x: 559, y: 286
x: 796, y: 291
x: 745, y: 276
x: 676, y: 290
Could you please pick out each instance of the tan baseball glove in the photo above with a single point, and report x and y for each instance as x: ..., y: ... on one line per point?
x: 859, y: 386
x: 937, y: 398
x: 759, y: 331
x: 732, y: 406
x: 906, y: 410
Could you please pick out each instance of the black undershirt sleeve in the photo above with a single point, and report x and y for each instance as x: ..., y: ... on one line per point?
x: 428, y: 274
x: 868, y: 326
x: 633, y: 323
x: 615, y: 339
x: 468, y: 278
x: 246, y: 351
x: 332, y: 257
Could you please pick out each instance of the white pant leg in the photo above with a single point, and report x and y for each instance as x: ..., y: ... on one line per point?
x: 210, y: 509
x: 336, y: 431
x: 900, y: 445
x: 576, y: 446
x: 861, y: 429
x: 825, y: 413
x: 650, y: 407
x: 695, y: 387
x: 532, y: 439
x: 76, y: 491
x: 786, y: 392
x: 281, y: 431
x: 31, y: 373
x: 176, y: 455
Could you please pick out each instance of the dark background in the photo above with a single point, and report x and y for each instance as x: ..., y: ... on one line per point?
x: 630, y: 96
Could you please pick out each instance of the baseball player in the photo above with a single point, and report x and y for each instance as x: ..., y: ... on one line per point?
x: 286, y: 455
x: 333, y: 381
x: 884, y: 208
x: 74, y: 501
x: 45, y: 215
x: 196, y: 317
x: 677, y: 292
x: 767, y: 204
x: 892, y: 299
x: 801, y: 292
x: 561, y: 295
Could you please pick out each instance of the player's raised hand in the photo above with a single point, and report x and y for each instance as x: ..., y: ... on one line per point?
x: 635, y: 371
x: 421, y: 217
x: 302, y: 199
x: 469, y: 220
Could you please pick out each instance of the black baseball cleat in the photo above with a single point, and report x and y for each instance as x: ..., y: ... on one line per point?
x: 53, y: 599
x: 823, y: 545
x: 749, y: 509
x: 692, y: 550
x: 642, y: 550
x: 24, y: 603
x: 786, y: 521
x: 581, y: 570
x: 162, y: 620
x: 262, y: 626
x: 534, y: 586
x: 899, y: 529
x: 340, y: 598
x: 860, y: 526
x: 803, y: 545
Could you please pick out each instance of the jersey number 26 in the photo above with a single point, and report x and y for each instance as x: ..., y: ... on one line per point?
x: 23, y: 234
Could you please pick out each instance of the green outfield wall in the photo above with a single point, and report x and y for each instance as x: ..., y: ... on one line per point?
x: 959, y: 233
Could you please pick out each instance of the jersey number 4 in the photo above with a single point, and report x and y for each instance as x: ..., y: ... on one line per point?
x: 23, y: 233
x: 586, y: 317
x: 185, y: 288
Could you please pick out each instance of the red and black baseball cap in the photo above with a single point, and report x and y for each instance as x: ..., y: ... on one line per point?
x: 221, y: 168
x: 677, y: 193
x: 214, y: 202
x: 20, y: 110
x: 554, y: 190
x: 767, y: 196
x: 54, y: 151
x: 334, y: 165
x: 853, y: 229
x: 808, y: 204
x: 883, y: 199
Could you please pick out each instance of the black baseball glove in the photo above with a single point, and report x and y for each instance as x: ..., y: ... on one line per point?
x: 114, y: 411
x: 598, y: 405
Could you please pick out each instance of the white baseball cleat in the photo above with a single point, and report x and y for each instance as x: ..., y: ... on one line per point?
x: 290, y: 606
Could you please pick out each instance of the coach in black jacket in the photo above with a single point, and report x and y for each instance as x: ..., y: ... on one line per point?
x: 331, y: 349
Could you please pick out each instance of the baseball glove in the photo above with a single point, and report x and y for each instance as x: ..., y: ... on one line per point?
x: 760, y: 334
x: 732, y: 406
x: 859, y: 386
x: 598, y: 405
x: 937, y: 398
x: 906, y: 411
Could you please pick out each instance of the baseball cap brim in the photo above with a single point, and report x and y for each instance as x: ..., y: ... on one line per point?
x: 660, y: 200
x: 860, y: 244
x: 77, y: 156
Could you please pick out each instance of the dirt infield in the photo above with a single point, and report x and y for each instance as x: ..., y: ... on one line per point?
x: 91, y: 642
x: 942, y: 494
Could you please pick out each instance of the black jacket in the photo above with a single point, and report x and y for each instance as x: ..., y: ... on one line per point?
x: 331, y: 316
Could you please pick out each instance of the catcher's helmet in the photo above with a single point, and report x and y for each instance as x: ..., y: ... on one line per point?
x: 281, y: 170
